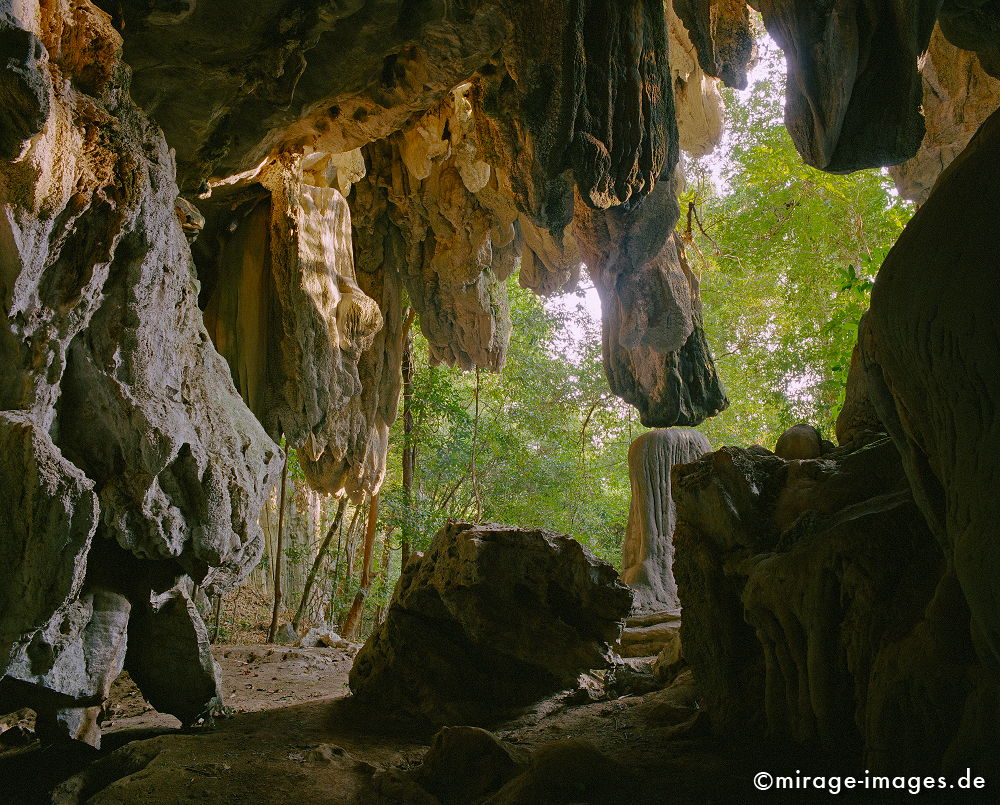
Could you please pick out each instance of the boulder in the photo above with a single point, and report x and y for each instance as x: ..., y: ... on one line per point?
x: 285, y: 635
x: 323, y: 636
x: 668, y: 661
x: 799, y: 442
x: 567, y: 772
x: 467, y: 765
x: 490, y: 618
x: 648, y: 641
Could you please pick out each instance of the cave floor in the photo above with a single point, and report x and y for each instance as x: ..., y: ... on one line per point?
x: 293, y: 737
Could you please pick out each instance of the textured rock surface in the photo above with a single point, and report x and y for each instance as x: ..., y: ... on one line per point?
x: 648, y: 549
x: 137, y: 463
x: 812, y: 605
x: 655, y: 352
x: 799, y: 442
x: 857, y: 417
x: 974, y: 25
x: 720, y: 29
x: 490, y: 618
x: 283, y: 306
x: 469, y: 765
x: 332, y: 76
x: 642, y: 638
x: 854, y: 92
x: 459, y: 239
x: 697, y: 100
x: 135, y: 469
x: 595, y: 86
x: 958, y: 96
x: 930, y: 360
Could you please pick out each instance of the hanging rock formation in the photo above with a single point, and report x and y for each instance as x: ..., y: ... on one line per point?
x: 460, y: 242
x: 132, y: 468
x: 489, y: 618
x: 332, y: 76
x: 697, y: 100
x: 974, y: 25
x: 284, y: 307
x: 335, y: 155
x: 854, y: 91
x: 720, y: 30
x: 958, y: 96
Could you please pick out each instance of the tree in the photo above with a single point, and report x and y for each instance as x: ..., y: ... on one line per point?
x: 549, y: 442
x: 786, y: 256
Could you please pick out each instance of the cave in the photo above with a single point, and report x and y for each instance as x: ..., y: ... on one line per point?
x: 220, y: 222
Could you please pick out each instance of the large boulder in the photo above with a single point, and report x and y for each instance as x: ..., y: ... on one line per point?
x: 489, y: 618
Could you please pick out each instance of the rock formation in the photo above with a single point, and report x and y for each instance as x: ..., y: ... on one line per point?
x: 648, y: 549
x: 974, y: 26
x: 958, y: 96
x: 857, y: 418
x: 132, y: 468
x: 930, y: 360
x: 470, y: 765
x: 335, y: 155
x: 799, y: 442
x: 697, y: 100
x: 818, y: 604
x: 720, y: 30
x: 854, y: 91
x: 489, y: 618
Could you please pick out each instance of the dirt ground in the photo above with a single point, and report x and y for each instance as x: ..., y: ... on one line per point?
x: 292, y: 736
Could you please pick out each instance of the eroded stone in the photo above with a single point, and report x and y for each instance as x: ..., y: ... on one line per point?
x: 490, y: 618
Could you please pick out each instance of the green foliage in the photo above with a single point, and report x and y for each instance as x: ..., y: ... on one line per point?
x: 786, y: 256
x: 295, y: 471
x: 214, y: 709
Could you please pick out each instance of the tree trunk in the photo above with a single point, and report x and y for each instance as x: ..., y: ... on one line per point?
x: 352, y: 622
x: 218, y: 617
x: 273, y: 629
x: 408, y: 446
x: 320, y: 554
x: 475, y: 440
x: 338, y: 586
x: 383, y: 570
